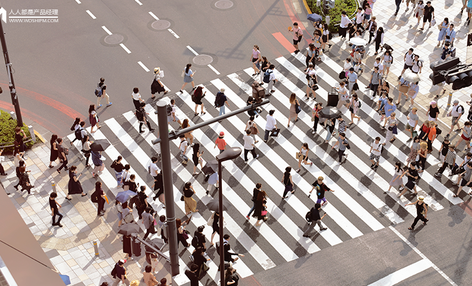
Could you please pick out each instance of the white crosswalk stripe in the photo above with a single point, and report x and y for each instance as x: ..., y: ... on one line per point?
x: 355, y: 208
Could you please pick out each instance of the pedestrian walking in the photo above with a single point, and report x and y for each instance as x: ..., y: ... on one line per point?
x: 162, y: 224
x: 392, y: 128
x: 197, y: 158
x: 294, y: 108
x: 297, y: 36
x: 141, y: 115
x: 93, y: 118
x: 54, y: 151
x: 148, y: 277
x: 252, y: 126
x: 312, y: 80
x: 197, y: 97
x: 379, y: 39
x: 315, y: 113
x: 214, y: 222
x: 269, y: 78
x: 140, y: 201
x: 55, y: 206
x: 442, y: 31
x: 220, y: 142
x: 444, y: 148
x: 158, y: 186
x: 424, y: 130
x: 428, y: 15
x: 372, y: 28
x: 86, y: 150
x: 171, y: 113
x: 412, y: 122
x: 352, y: 79
x: 199, y: 239
x: 397, y: 3
x: 190, y: 204
x: 375, y: 81
x: 422, y: 154
x: 188, y: 135
x: 221, y: 101
x: 2, y: 170
x: 315, y: 219
x: 419, y: 11
x: 226, y: 250
x: 417, y: 65
x: 249, y: 146
x: 432, y: 136
x: 200, y: 260
x: 367, y: 14
x: 137, y: 99
x: 97, y: 162
x: 99, y: 197
x: 408, y: 2
x: 182, y: 235
x: 119, y: 274
x: 408, y: 59
x: 378, y: 63
x: 62, y: 155
x: 260, y: 208
x: 321, y: 189
x: 118, y: 167
x: 397, y: 180
x: 255, y: 192
x: 343, y: 94
x: 288, y: 182
x: 466, y: 135
x: 256, y: 59
x: 389, y: 108
x: 74, y: 185
x: 354, y: 106
x: 330, y: 129
x: 412, y: 176
x: 450, y: 35
x: 101, y: 91
x: 345, y: 21
x: 75, y: 126
x: 342, y: 126
x: 421, y: 211
x: 23, y: 179
x: 148, y: 221
x: 343, y: 144
x: 18, y: 170
x: 375, y: 151
x: 192, y: 274
x: 271, y: 124
x: 188, y: 74
x: 302, y: 156
x: 465, y: 179
x: 387, y: 62
x: 456, y: 113
x: 449, y: 161
x: 310, y: 56
x: 413, y: 92
x: 231, y: 277
x: 20, y: 135
x: 157, y: 86
x: 265, y: 64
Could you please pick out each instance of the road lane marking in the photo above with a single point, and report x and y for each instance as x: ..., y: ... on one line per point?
x: 154, y: 16
x: 192, y: 50
x: 282, y: 40
x: 125, y: 48
x: 137, y: 1
x: 143, y: 66
x: 404, y: 273
x: 422, y: 256
x: 90, y: 14
x: 78, y: 1
x: 106, y: 30
x: 173, y: 33
x: 213, y: 69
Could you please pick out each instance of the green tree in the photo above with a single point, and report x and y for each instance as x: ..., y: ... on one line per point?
x: 350, y: 6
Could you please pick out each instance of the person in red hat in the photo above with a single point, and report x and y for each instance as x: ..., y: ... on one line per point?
x: 220, y: 142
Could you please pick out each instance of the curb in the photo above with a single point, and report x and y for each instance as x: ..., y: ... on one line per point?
x: 39, y: 136
x: 308, y: 10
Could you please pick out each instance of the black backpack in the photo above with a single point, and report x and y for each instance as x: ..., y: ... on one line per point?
x: 113, y: 272
x: 308, y: 216
x: 94, y: 197
x: 218, y: 99
x: 78, y: 133
x: 98, y: 91
x: 195, y: 241
x: 266, y: 78
x: 169, y: 110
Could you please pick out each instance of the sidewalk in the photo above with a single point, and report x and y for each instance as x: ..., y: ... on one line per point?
x: 70, y: 248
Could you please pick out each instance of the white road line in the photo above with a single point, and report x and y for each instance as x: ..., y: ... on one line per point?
x: 173, y: 33
x: 143, y: 66
x: 422, y: 256
x: 90, y: 14
x: 125, y: 48
x: 78, y: 1
x: 404, y: 273
x: 137, y: 1
x: 106, y: 30
x: 152, y: 15
x: 192, y: 50
x: 213, y: 69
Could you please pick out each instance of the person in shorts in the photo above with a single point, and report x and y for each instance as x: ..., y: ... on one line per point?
x: 412, y: 121
x: 466, y: 180
x: 428, y: 14
x: 375, y: 149
x: 297, y: 36
x: 408, y: 58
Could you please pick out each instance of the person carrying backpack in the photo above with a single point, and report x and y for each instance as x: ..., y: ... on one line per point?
x: 269, y: 78
x: 80, y: 132
x: 199, y: 239
x: 221, y: 101
x: 314, y: 218
x: 119, y: 273
x: 101, y: 91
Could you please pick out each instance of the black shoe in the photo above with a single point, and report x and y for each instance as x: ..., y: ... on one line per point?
x: 151, y: 130
x: 141, y: 131
x: 324, y: 228
x: 306, y: 235
x: 154, y: 199
x: 16, y: 187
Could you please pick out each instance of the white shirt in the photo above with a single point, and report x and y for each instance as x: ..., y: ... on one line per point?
x: 456, y: 111
x: 272, y: 75
x: 183, y: 145
x: 136, y: 96
x: 270, y: 122
x: 173, y: 110
x: 359, y: 17
x: 380, y: 65
x: 154, y: 169
x: 343, y: 93
x: 409, y: 59
x: 376, y: 148
x: 347, y: 66
x: 416, y: 66
x: 344, y: 21
x: 248, y: 141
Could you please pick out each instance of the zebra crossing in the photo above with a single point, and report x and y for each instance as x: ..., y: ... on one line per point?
x: 358, y: 205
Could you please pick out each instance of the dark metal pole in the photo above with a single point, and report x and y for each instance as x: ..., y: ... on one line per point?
x: 14, y: 97
x: 168, y: 186
x: 220, y: 210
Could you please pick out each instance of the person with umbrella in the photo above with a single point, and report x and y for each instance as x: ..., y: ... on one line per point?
x: 74, y: 186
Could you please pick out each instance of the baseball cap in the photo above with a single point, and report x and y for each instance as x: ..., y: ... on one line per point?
x: 222, y: 134
x: 456, y: 101
x: 121, y: 262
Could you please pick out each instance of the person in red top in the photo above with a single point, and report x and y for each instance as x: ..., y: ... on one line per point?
x: 220, y: 142
x: 432, y: 134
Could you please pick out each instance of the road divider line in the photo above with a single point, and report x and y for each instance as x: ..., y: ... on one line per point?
x: 90, y: 14
x: 125, y: 48
x: 404, y: 273
x: 106, y: 30
x: 143, y: 66
x: 282, y: 40
x: 192, y: 50
x: 422, y: 256
x: 152, y: 15
x: 173, y: 33
x: 140, y: 4
x: 213, y: 69
x: 78, y: 1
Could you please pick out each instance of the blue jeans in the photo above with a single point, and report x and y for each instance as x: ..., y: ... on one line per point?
x: 118, y: 177
x: 329, y: 135
x: 251, y: 210
x: 222, y: 110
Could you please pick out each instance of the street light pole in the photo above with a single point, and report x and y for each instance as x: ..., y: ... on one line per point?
x: 227, y: 154
x: 11, y: 83
x: 168, y: 186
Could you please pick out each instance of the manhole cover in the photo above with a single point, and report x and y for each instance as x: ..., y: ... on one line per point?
x: 114, y: 39
x: 203, y: 60
x: 224, y: 4
x: 160, y: 25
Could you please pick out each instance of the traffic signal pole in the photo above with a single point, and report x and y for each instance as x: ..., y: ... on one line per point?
x: 11, y: 83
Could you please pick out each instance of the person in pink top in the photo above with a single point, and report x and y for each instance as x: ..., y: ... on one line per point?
x: 220, y: 142
x: 297, y: 36
x: 256, y: 59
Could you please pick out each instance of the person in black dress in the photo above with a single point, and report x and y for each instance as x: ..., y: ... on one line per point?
x: 215, y: 225
x: 421, y: 212
x: 132, y: 184
x: 159, y: 187
x: 140, y: 201
x: 74, y: 186
x: 196, y: 158
x: 20, y: 135
x: 24, y: 181
x: 231, y: 277
x: 99, y: 194
x: 192, y: 275
x: 61, y: 155
x: 55, y: 209
x: 260, y: 208
x: 197, y: 97
x: 54, y: 151
x: 200, y: 260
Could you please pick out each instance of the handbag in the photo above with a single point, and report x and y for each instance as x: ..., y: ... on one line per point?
x: 395, y: 130
x: 254, y: 130
x: 411, y: 92
x: 439, y: 27
x: 355, y: 86
x: 390, y: 128
x: 263, y: 213
x: 403, y: 88
x: 183, y: 73
x: 433, y: 22
x: 298, y: 109
x: 275, y: 132
x: 342, y: 75
x: 315, y: 87
x: 298, y: 155
x: 182, y: 198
